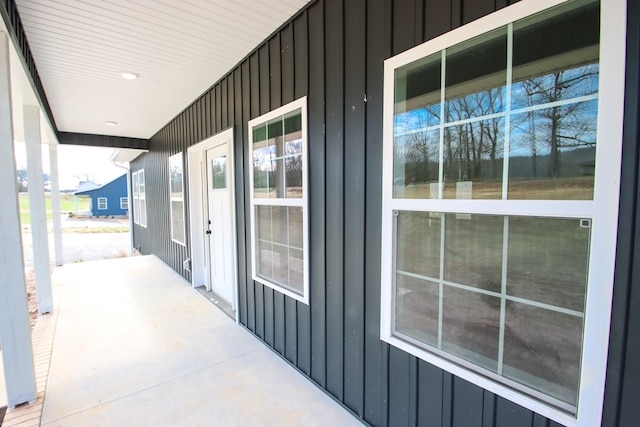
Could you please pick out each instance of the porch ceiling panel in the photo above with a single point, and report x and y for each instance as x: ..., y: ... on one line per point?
x: 178, y: 49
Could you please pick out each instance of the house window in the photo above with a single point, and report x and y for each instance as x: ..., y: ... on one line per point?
x: 124, y: 203
x: 177, y: 198
x: 139, y: 198
x: 102, y: 203
x: 493, y: 228
x: 278, y: 174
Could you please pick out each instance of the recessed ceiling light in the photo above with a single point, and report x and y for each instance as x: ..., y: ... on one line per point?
x: 129, y: 75
x: 110, y: 123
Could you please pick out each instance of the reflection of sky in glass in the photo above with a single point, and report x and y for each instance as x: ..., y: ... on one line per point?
x: 575, y: 126
x: 416, y: 120
x: 475, y: 105
x: 559, y: 86
x: 293, y: 146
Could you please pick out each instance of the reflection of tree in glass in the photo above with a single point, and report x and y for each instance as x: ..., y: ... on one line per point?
x: 175, y: 174
x: 468, y: 146
x: 561, y: 127
x: 416, y: 150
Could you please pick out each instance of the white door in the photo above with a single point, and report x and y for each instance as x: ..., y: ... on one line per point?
x: 219, y: 224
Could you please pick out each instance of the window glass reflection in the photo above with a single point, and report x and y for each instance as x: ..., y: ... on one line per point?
x: 473, y: 160
x: 279, y: 241
x: 277, y: 158
x: 553, y: 152
x: 219, y: 173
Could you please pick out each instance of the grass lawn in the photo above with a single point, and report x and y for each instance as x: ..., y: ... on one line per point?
x: 67, y: 204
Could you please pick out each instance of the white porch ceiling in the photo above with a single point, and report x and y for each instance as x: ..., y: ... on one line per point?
x: 178, y: 48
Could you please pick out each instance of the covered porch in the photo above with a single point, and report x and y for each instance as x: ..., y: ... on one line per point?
x: 130, y: 342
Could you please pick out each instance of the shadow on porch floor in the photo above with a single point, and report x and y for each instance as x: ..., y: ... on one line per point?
x: 134, y: 344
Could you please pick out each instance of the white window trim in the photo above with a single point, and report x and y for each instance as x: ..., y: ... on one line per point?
x: 135, y: 198
x: 103, y: 200
x: 603, y: 209
x: 301, y: 104
x: 124, y: 203
x: 177, y: 199
x: 138, y: 199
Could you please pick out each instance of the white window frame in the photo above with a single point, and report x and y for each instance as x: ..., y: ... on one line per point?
x: 300, y: 104
x: 603, y: 209
x: 102, y: 200
x: 124, y: 203
x: 139, y: 197
x: 174, y: 160
x: 135, y: 197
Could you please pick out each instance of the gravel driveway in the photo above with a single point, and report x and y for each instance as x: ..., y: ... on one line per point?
x: 85, y: 239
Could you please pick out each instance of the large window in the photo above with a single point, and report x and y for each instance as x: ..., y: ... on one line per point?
x: 176, y: 197
x: 278, y: 142
x: 492, y: 222
x: 139, y: 198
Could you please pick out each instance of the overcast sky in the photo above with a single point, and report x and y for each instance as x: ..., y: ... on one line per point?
x: 76, y: 162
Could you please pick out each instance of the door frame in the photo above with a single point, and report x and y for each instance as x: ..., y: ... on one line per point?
x: 198, y: 206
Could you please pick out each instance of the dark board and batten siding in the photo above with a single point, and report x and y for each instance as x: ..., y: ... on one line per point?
x: 333, y: 53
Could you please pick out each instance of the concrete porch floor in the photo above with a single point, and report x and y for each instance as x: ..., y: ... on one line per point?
x: 131, y: 343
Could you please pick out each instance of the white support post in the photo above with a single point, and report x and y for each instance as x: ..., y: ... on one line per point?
x: 55, y: 203
x: 38, y: 210
x: 15, y: 332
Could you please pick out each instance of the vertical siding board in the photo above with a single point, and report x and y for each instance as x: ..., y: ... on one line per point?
x: 539, y: 421
x: 510, y: 414
x: 447, y: 399
x: 299, y: 346
x: 259, y: 301
x: 218, y: 112
x: 623, y: 373
x: 275, y: 85
x: 202, y: 118
x: 474, y: 9
x: 254, y: 67
x: 265, y: 103
x: 269, y: 315
x: 489, y: 410
x: 467, y: 404
x: 403, y: 25
x: 286, y: 63
x: 334, y: 53
x: 247, y: 101
x: 231, y: 100
x: 429, y: 395
x: 375, y: 397
x: 413, y: 390
x: 631, y: 374
x: 399, y: 389
x: 265, y: 107
x: 317, y: 193
x: 301, y: 56
x: 354, y: 200
x: 291, y: 330
x: 224, y: 104
x: 418, y: 15
x: 437, y: 18
x: 208, y: 114
x: 456, y: 13
x: 279, y: 322
x: 275, y: 72
x: 238, y: 140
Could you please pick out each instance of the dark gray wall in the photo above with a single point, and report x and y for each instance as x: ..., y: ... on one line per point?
x: 333, y: 52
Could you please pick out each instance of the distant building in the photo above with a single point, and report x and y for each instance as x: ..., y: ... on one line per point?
x: 108, y: 199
